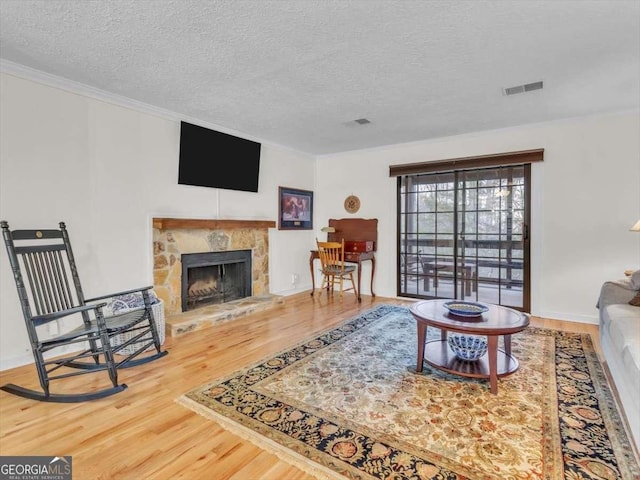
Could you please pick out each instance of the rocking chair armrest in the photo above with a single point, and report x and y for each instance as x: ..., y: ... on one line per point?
x: 48, y: 317
x: 126, y: 292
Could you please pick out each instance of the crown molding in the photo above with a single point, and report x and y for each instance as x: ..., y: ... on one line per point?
x: 482, y: 133
x: 71, y: 86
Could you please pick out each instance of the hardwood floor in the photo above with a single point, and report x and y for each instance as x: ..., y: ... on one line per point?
x: 142, y: 433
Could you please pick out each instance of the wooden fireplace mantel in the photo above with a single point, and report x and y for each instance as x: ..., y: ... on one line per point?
x: 173, y: 223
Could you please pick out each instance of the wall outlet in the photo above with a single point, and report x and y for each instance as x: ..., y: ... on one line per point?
x: 294, y: 278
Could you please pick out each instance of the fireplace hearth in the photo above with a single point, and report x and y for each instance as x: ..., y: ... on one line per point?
x: 215, y: 277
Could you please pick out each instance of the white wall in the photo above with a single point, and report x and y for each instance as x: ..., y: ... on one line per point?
x: 106, y: 171
x: 585, y: 197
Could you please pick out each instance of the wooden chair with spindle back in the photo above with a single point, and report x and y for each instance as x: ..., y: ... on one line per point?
x: 333, y: 267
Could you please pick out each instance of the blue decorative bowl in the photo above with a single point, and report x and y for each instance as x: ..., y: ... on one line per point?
x: 465, y: 309
x: 467, y: 347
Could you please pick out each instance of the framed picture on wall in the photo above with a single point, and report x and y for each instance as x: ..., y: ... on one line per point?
x: 295, y: 209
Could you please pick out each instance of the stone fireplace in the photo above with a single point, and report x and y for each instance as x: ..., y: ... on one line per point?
x: 176, y: 239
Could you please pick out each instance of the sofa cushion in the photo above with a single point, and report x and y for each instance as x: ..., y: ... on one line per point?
x: 631, y: 361
x: 620, y: 342
x: 616, y: 311
x: 622, y: 322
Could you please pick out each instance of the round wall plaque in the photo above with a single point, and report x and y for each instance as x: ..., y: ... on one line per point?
x: 352, y: 204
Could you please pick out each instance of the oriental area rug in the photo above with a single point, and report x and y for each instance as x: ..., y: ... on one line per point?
x: 348, y: 403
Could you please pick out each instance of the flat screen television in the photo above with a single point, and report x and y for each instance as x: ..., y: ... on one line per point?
x: 218, y: 160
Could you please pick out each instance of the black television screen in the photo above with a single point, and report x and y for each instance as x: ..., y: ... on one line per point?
x: 215, y: 159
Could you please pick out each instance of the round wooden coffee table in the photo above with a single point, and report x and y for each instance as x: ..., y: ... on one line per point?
x: 498, y: 321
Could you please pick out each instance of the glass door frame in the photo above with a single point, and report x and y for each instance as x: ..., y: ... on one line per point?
x: 461, y: 281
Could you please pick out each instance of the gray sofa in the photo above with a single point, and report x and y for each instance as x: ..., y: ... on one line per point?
x: 620, y: 341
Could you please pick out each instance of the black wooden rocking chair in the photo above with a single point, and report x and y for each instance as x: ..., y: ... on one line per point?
x: 47, y: 281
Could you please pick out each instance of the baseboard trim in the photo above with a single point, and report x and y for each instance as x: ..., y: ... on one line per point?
x: 17, y: 361
x: 568, y: 317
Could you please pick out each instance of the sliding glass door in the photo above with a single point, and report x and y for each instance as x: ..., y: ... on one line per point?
x: 464, y: 235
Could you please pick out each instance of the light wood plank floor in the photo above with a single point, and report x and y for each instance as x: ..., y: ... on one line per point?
x: 142, y: 433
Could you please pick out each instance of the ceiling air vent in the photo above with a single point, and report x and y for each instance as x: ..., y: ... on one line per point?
x: 523, y: 88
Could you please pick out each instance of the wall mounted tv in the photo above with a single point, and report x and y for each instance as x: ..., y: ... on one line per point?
x: 215, y: 159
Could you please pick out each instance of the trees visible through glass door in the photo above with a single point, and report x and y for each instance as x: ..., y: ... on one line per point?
x: 463, y: 235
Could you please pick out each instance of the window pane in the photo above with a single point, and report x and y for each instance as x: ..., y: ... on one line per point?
x: 444, y: 223
x: 470, y: 219
x: 468, y: 199
x: 445, y: 201
x: 427, y: 201
x: 427, y: 222
x: 409, y: 203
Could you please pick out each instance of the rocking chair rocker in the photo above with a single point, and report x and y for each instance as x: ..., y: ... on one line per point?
x: 47, y: 281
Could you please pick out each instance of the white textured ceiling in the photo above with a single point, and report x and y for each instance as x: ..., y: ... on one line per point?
x: 297, y: 73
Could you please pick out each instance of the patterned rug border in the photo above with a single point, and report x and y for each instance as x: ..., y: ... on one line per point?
x: 261, y: 441
x: 246, y: 433
x: 611, y: 414
x: 270, y: 446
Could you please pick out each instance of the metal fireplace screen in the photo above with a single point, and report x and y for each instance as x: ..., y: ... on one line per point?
x: 215, y: 277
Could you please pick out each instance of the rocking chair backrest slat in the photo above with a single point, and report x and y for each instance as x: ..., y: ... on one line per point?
x: 64, y: 292
x: 44, y: 281
x: 53, y: 281
x: 55, y: 275
x: 48, y: 280
x: 28, y: 260
x: 44, y: 257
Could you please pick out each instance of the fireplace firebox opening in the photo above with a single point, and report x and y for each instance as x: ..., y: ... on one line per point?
x: 215, y: 277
